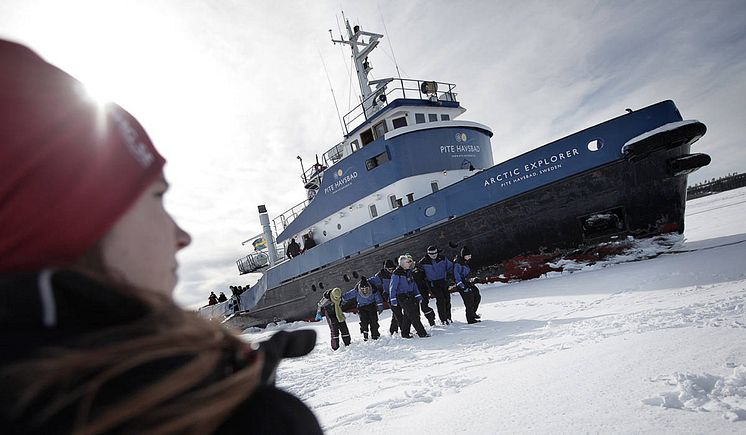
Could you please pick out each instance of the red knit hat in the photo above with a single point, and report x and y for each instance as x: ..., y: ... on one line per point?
x: 68, y: 168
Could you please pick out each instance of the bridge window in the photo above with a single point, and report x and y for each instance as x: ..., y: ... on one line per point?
x: 393, y: 201
x: 366, y: 137
x: 410, y: 198
x: 373, y: 211
x: 399, y: 122
x: 434, y: 186
x: 380, y: 129
x: 432, y: 117
x: 445, y: 117
x: 354, y: 145
x: 419, y: 118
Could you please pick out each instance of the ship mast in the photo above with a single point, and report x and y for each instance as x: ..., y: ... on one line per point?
x: 362, y: 43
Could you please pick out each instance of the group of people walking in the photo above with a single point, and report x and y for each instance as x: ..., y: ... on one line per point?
x: 407, y: 288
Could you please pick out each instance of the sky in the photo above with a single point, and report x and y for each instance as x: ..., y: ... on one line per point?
x: 656, y: 346
x: 232, y: 91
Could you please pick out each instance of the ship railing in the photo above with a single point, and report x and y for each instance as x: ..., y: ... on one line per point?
x: 259, y: 259
x: 395, y: 89
x: 283, y: 220
x: 312, y: 176
x: 334, y: 154
x: 252, y: 262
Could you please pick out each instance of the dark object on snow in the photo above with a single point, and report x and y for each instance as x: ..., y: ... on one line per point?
x: 284, y: 344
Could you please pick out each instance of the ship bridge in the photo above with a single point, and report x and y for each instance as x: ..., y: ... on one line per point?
x: 413, y: 145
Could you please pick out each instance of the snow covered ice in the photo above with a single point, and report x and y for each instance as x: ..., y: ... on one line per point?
x: 622, y: 346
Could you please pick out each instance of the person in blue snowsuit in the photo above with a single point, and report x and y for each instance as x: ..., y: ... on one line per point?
x: 403, y: 292
x: 381, y: 282
x: 369, y: 306
x: 437, y: 268
x: 465, y: 285
x: 421, y: 280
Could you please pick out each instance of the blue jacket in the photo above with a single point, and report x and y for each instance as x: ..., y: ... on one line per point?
x: 362, y: 300
x: 381, y: 282
x: 461, y: 271
x: 436, y: 269
x: 402, y: 282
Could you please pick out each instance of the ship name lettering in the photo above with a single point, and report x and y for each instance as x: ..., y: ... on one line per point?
x: 459, y: 149
x: 341, y: 182
x: 501, y: 177
x: 547, y: 161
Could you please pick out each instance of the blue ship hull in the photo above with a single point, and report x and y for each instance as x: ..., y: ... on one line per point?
x: 535, y: 202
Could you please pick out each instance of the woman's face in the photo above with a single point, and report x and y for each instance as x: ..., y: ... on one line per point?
x: 141, y: 246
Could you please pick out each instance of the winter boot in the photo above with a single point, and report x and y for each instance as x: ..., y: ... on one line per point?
x: 430, y: 316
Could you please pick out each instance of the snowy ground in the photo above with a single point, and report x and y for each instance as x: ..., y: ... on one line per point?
x: 653, y: 346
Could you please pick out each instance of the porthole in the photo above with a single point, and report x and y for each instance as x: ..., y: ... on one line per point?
x: 324, y: 232
x: 452, y: 245
x: 313, y: 287
x: 346, y: 278
x: 321, y: 285
x: 339, y: 226
x: 355, y: 274
x: 430, y: 211
x: 595, y: 145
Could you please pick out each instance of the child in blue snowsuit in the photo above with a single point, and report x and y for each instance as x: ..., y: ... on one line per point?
x: 369, y: 306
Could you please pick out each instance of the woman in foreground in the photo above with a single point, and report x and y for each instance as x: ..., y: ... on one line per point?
x: 90, y: 340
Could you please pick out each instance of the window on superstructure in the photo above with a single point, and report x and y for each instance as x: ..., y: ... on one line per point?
x: 380, y: 129
x: 354, y: 145
x: 376, y: 161
x: 445, y: 117
x: 432, y: 117
x: 373, y: 211
x: 366, y: 137
x: 399, y: 122
x: 434, y: 186
x: 392, y: 202
x: 419, y: 118
x: 410, y: 198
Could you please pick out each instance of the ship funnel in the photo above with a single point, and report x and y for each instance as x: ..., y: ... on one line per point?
x: 268, y: 237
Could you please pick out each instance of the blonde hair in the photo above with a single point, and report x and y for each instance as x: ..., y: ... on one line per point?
x: 185, y: 398
x: 403, y: 258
